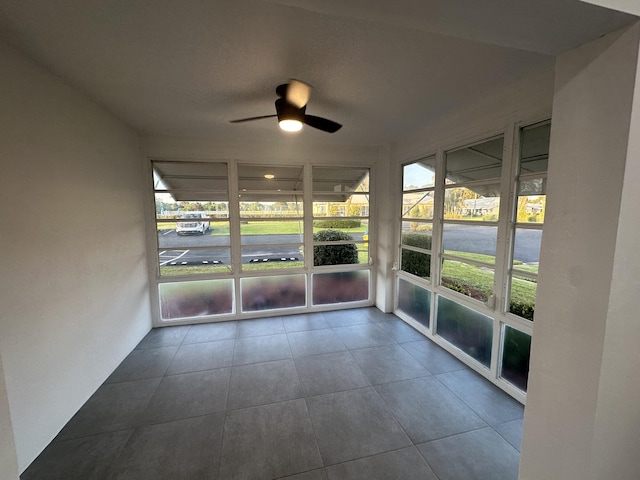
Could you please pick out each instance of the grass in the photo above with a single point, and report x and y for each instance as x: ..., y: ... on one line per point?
x: 262, y: 228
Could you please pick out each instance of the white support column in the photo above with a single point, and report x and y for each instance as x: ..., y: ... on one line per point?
x: 386, y: 191
x: 8, y: 459
x: 582, y: 415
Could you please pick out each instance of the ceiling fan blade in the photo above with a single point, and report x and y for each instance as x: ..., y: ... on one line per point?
x: 323, y: 124
x: 249, y: 119
x: 298, y: 93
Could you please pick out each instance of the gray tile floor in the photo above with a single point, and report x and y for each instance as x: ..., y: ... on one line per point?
x: 354, y: 394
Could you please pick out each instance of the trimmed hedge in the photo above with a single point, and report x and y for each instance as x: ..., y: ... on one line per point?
x: 415, y: 262
x: 334, y: 254
x: 337, y: 223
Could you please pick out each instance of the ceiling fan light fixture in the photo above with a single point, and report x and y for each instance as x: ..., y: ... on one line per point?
x: 289, y: 125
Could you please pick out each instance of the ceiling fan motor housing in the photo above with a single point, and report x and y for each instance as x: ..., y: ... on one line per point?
x: 286, y: 111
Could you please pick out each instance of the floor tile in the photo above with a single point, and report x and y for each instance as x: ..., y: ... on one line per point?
x: 405, y: 464
x: 262, y: 383
x: 511, y: 432
x: 375, y: 315
x: 202, y: 356
x: 343, y: 318
x: 164, y: 337
x: 277, y: 438
x: 116, y: 406
x: 261, y: 349
x: 181, y: 450
x: 427, y: 410
x: 400, y: 331
x: 258, y: 327
x: 433, y: 357
x: 484, y: 398
x: 144, y: 363
x: 363, y: 336
x: 305, y: 322
x: 478, y: 455
x: 330, y: 372
x: 312, y: 475
x: 354, y: 424
x: 87, y: 457
x: 388, y: 363
x: 211, y: 332
x: 188, y: 395
x: 315, y: 342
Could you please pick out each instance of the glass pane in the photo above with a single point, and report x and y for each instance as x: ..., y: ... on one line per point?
x: 526, y: 249
x: 270, y: 178
x: 190, y: 233
x: 417, y: 238
x: 340, y: 287
x: 481, y: 203
x: 340, y: 179
x: 167, y: 208
x: 534, y: 149
x: 268, y: 293
x: 467, y: 329
x: 344, y: 249
x: 416, y: 263
x: 196, y: 299
x: 477, y: 242
x: 477, y: 162
x: 266, y: 257
x: 424, y: 228
x: 471, y: 280
x: 417, y: 205
x: 356, y: 229
x: 414, y: 301
x: 265, y: 206
x: 515, y: 357
x: 522, y: 296
x: 419, y: 175
x: 187, y: 262
x: 260, y: 232
x: 531, y: 209
x: 354, y: 205
x: 204, y: 177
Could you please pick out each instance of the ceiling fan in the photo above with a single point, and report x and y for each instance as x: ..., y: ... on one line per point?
x: 290, y: 109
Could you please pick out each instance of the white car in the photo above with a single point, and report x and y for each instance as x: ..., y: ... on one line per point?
x: 197, y: 222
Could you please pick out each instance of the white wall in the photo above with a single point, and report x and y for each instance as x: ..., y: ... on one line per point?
x: 74, y: 281
x: 581, y: 420
x: 8, y: 459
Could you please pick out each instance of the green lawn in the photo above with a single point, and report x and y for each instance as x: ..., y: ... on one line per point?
x: 262, y: 228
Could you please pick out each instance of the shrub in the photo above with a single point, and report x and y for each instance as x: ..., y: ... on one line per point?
x: 522, y: 309
x: 337, y: 223
x: 415, y: 262
x: 334, y: 254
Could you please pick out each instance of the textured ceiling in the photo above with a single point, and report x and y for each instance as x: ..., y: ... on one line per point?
x: 381, y: 68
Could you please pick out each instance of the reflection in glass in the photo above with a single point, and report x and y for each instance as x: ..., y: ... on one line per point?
x: 515, y: 357
x: 534, y: 149
x: 340, y: 287
x: 482, y: 161
x: 471, y: 241
x: 467, y: 329
x: 179, y: 177
x: 419, y: 174
x: 416, y: 263
x: 340, y: 179
x: 470, y: 280
x: 414, y: 301
x: 268, y: 293
x: 195, y: 299
x: 175, y: 262
x: 417, y: 205
x: 270, y: 178
x: 481, y: 203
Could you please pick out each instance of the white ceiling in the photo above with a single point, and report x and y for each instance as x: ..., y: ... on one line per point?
x: 381, y: 68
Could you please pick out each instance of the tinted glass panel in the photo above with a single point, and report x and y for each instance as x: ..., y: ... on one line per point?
x: 515, y: 357
x: 196, y: 299
x: 415, y: 301
x: 268, y: 293
x: 340, y: 287
x: 468, y: 330
x: 477, y: 162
